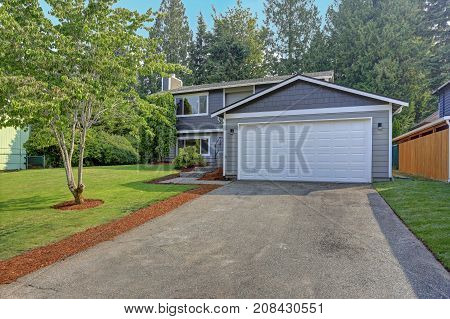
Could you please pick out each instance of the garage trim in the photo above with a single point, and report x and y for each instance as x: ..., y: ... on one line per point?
x: 330, y: 110
x: 370, y: 139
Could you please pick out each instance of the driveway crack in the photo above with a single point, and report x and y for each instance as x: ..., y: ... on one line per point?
x: 42, y: 288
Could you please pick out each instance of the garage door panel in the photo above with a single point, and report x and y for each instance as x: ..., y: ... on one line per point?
x: 307, y: 151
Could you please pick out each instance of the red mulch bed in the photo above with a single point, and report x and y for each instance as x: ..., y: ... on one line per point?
x: 32, y: 260
x: 70, y: 205
x: 217, y: 175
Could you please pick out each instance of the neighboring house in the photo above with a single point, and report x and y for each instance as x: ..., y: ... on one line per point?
x: 425, y: 151
x: 296, y: 128
x: 12, y: 152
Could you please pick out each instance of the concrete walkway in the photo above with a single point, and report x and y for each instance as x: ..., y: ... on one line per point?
x: 254, y: 240
x: 192, y: 181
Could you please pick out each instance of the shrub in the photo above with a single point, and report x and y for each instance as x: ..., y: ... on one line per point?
x: 106, y: 149
x: 188, y: 157
x: 101, y: 149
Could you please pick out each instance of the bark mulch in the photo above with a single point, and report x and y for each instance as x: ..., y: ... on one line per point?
x: 70, y: 205
x: 217, y: 175
x: 32, y: 260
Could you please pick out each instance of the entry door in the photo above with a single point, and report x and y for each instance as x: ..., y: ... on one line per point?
x: 324, y: 151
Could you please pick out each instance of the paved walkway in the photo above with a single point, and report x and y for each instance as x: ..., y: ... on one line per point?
x: 254, y: 240
x: 194, y: 181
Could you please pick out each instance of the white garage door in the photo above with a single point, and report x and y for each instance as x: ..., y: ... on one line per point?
x: 327, y: 151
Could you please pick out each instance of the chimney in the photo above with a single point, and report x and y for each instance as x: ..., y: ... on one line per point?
x: 171, y: 83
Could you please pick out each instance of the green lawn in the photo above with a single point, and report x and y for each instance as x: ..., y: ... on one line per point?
x: 424, y: 206
x: 28, y: 221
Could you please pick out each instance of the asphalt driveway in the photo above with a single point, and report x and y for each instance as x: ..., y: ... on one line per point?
x: 254, y: 240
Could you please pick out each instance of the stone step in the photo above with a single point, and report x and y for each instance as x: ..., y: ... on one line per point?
x: 204, y: 169
x: 192, y: 174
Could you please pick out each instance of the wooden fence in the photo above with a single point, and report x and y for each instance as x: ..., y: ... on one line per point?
x: 426, y: 156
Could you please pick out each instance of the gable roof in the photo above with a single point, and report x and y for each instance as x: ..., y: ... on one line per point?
x: 314, y: 81
x: 232, y: 84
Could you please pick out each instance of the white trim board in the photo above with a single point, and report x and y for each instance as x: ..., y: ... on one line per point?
x: 218, y: 130
x: 225, y: 87
x: 330, y: 110
x: 314, y: 81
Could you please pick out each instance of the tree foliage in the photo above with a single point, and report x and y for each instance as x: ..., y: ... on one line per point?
x: 436, y: 26
x: 292, y: 26
x: 73, y: 74
x: 199, y: 54
x: 158, y: 134
x: 172, y: 31
x: 376, y: 46
x: 236, y: 48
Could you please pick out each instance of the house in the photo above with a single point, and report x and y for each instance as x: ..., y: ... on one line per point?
x: 425, y: 150
x: 288, y: 128
x: 12, y: 150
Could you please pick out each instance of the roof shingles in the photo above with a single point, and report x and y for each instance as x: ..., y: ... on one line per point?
x: 268, y: 79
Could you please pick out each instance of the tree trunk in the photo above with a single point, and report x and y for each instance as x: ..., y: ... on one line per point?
x: 78, y: 195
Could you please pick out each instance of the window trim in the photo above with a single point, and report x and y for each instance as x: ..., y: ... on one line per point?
x: 196, y: 138
x: 182, y: 96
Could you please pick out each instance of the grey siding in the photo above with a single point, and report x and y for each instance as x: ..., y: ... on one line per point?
x: 444, y: 101
x: 204, y: 122
x: 232, y: 97
x: 262, y: 87
x: 380, y: 143
x: 303, y: 95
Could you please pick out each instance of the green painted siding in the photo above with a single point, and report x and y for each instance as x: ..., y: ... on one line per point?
x: 12, y: 152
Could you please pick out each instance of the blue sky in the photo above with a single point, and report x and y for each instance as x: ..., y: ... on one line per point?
x: 194, y: 7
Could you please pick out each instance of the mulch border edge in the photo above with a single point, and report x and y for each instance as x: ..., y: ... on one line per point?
x: 35, y: 259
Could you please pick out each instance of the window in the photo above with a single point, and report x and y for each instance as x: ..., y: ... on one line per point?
x: 192, y: 105
x: 202, y: 144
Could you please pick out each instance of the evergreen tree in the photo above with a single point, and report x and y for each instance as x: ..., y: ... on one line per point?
x: 317, y: 57
x: 236, y: 47
x: 172, y: 29
x: 292, y: 25
x: 174, y: 37
x: 376, y: 46
x: 199, y: 53
x: 437, y: 28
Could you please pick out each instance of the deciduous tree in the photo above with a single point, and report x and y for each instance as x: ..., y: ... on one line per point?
x: 71, y: 75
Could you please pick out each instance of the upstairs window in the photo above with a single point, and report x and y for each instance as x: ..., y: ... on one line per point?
x: 192, y: 105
